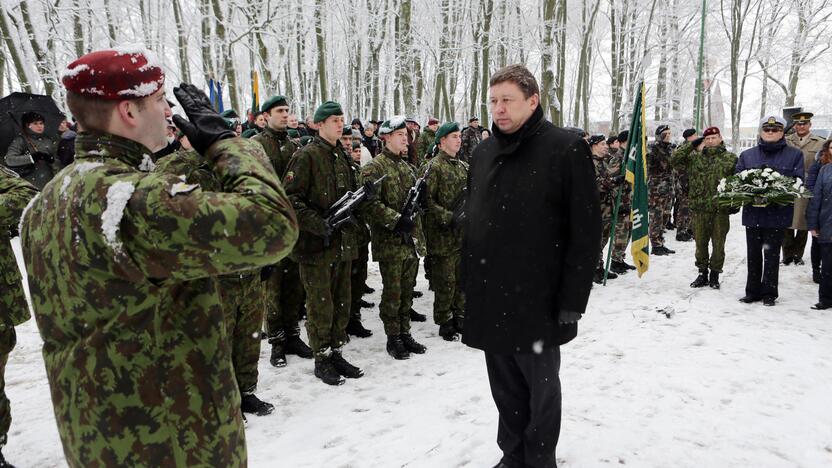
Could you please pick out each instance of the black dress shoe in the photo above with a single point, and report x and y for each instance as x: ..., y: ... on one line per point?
x: 750, y: 299
x: 769, y: 301
x: 821, y: 306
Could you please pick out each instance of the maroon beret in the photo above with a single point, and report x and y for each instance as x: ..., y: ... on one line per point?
x: 711, y: 131
x: 128, y: 72
x: 432, y: 121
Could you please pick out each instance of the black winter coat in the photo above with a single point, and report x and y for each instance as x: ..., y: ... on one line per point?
x: 531, y: 240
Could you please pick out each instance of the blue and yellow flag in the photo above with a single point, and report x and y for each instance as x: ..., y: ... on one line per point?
x: 637, y: 177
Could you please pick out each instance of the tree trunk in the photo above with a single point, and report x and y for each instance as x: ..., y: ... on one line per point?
x: 661, y: 79
x: 485, y: 46
x: 206, y: 42
x: 182, y: 49
x: 111, y: 24
x: 5, y: 29
x: 227, y: 54
x: 560, y: 73
x: 41, y: 62
x: 321, y: 43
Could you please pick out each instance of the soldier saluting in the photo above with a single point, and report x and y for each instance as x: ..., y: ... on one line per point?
x: 120, y: 264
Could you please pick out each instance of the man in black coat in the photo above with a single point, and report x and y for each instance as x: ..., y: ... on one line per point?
x: 529, y: 251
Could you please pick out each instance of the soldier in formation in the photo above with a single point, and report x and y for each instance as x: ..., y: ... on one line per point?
x: 471, y: 137
x: 615, y: 161
x: 660, y: 189
x: 681, y: 206
x: 607, y: 183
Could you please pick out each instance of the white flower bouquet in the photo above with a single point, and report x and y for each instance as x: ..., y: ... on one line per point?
x: 760, y: 187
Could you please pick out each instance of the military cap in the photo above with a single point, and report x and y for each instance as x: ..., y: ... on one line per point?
x: 444, y: 130
x: 395, y: 123
x: 772, y: 121
x: 803, y: 117
x: 624, y: 136
x: 249, y: 133
x: 325, y: 110
x: 661, y: 129
x: 710, y: 131
x: 595, y: 139
x: 688, y: 133
x: 432, y: 121
x: 305, y: 140
x: 347, y: 131
x: 293, y: 133
x: 473, y: 119
x: 274, y: 101
x: 229, y: 114
x: 612, y: 139
x: 128, y: 72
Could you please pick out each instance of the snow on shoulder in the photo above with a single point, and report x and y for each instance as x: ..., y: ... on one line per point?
x: 117, y: 197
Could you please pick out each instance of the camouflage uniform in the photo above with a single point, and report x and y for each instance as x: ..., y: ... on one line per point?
x: 358, y: 271
x: 471, y: 137
x: 284, y: 291
x: 120, y: 266
x: 446, y: 181
x: 15, y: 193
x: 660, y: 190
x: 710, y: 222
x: 607, y: 192
x: 425, y: 142
x: 317, y: 176
x: 398, y: 258
x: 623, y: 225
x: 681, y: 207
x: 241, y: 294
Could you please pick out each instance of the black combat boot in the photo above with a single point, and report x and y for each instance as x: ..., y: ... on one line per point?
x: 366, y: 305
x: 459, y: 323
x: 278, y: 342
x: 355, y: 328
x: 662, y: 250
x: 345, y: 368
x: 713, y: 281
x: 296, y: 346
x: 701, y: 280
x: 251, y: 404
x: 448, y: 331
x: 412, y: 345
x: 417, y: 294
x: 669, y: 226
x: 416, y: 316
x: 396, y: 348
x: 618, y: 267
x: 325, y: 370
x: 683, y: 236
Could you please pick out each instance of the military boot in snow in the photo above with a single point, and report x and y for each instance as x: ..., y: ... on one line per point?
x: 417, y: 317
x: 251, y: 404
x: 343, y: 367
x: 713, y: 281
x: 701, y: 280
x: 448, y: 331
x: 412, y: 345
x: 278, y: 342
x: 355, y: 328
x: 296, y: 346
x: 396, y: 348
x: 325, y: 370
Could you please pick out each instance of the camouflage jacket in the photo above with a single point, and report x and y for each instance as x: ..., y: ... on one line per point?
x: 614, y: 160
x: 446, y: 182
x: 318, y: 175
x: 425, y: 142
x: 119, y: 260
x: 603, y: 179
x: 705, y: 169
x: 659, y: 171
x: 384, y: 211
x: 15, y: 193
x: 279, y: 147
x: 190, y: 165
x: 471, y: 137
x: 362, y: 230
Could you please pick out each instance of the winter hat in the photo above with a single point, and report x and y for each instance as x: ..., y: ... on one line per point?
x: 432, y: 121
x: 389, y: 126
x: 595, y: 139
x: 689, y: 132
x: 325, y: 110
x: 710, y: 131
x: 274, y: 101
x: 661, y: 129
x: 128, y: 72
x: 446, y: 129
x: 31, y: 117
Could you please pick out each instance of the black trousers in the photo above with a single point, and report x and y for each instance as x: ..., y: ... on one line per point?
x: 526, y: 389
x: 815, y: 253
x: 825, y: 288
x: 794, y: 243
x: 763, y: 246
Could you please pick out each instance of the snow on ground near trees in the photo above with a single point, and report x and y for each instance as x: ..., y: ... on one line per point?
x: 718, y: 384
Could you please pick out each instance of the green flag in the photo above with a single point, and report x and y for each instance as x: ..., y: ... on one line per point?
x: 637, y: 177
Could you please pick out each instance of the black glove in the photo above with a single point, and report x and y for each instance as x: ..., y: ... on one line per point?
x: 41, y: 156
x: 266, y: 272
x: 404, y: 226
x: 458, y: 220
x: 206, y: 127
x: 370, y: 190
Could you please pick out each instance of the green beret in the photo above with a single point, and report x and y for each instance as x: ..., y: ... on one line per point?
x: 347, y: 131
x: 231, y: 123
x: 293, y: 133
x: 249, y: 133
x: 327, y: 109
x: 229, y: 114
x: 446, y: 129
x: 305, y: 140
x: 395, y: 123
x: 274, y: 101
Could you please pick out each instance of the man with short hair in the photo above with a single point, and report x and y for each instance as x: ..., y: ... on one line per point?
x: 794, y: 242
x: 397, y: 240
x: 318, y: 175
x: 121, y: 266
x: 681, y: 206
x: 527, y: 261
x: 443, y: 230
x: 615, y: 161
x: 660, y: 189
x: 471, y: 137
x: 283, y: 289
x: 706, y: 161
x: 764, y: 226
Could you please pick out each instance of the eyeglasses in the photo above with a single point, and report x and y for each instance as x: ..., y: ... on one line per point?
x: 772, y: 129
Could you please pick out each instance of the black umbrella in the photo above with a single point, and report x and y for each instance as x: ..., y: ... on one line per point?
x: 13, y: 106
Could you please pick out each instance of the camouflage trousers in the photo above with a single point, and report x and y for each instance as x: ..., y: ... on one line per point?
x: 606, y: 225
x: 682, y: 217
x: 243, y: 307
x: 398, y: 279
x: 327, y: 304
x: 8, y: 339
x: 661, y: 205
x: 623, y: 229
x: 284, y: 297
x: 428, y: 267
x: 448, y: 301
x: 358, y: 278
x: 710, y: 228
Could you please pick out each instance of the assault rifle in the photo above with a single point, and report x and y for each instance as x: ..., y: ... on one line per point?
x: 415, y: 200
x: 340, y: 212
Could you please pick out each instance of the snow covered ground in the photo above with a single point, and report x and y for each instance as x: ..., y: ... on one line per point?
x: 715, y: 384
